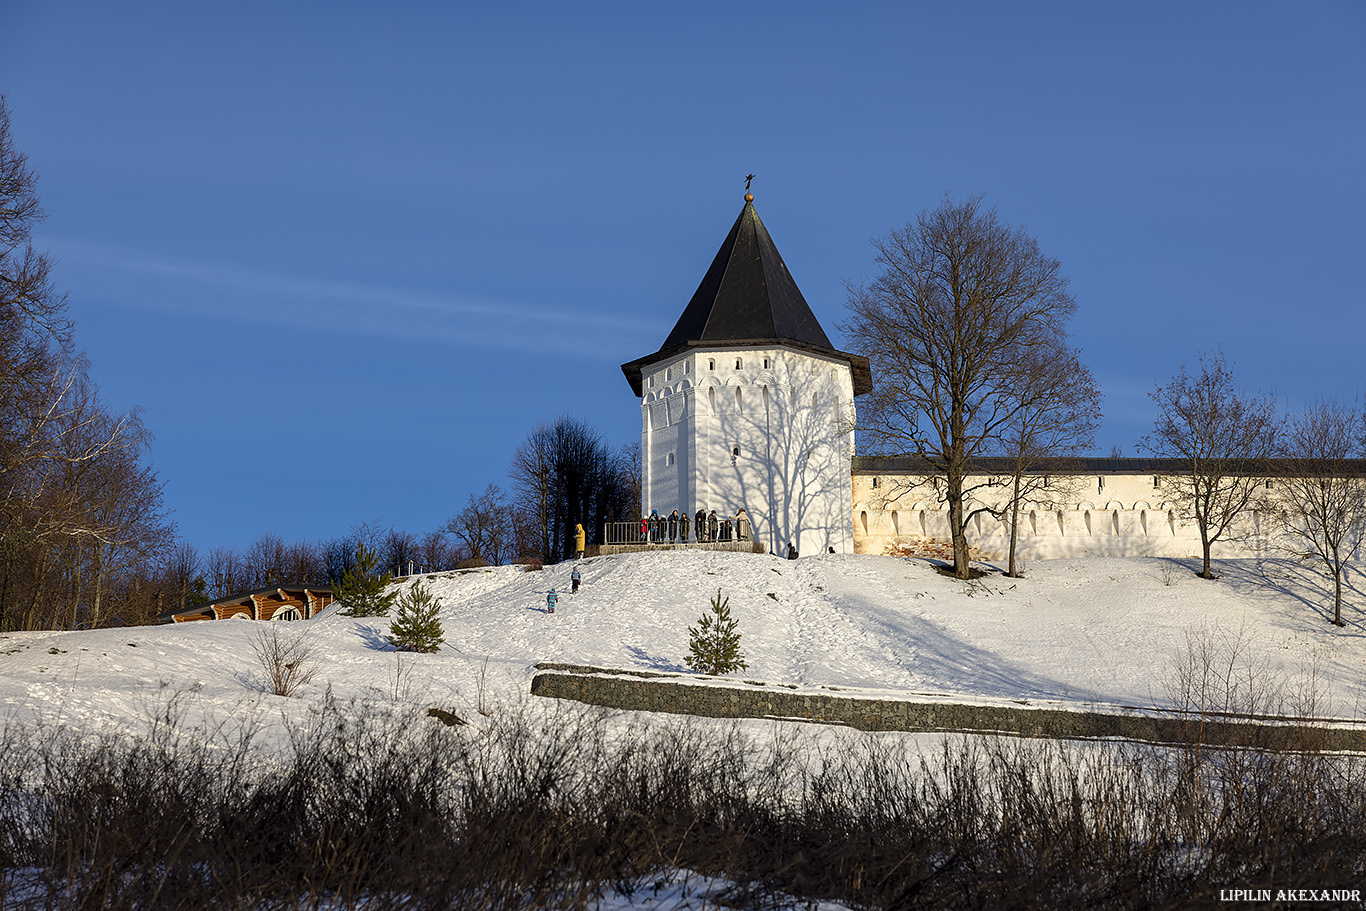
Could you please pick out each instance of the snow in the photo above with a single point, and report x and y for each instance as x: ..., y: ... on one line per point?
x: 1072, y: 632
x: 1077, y: 632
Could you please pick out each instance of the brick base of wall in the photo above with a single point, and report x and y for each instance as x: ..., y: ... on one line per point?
x: 658, y: 692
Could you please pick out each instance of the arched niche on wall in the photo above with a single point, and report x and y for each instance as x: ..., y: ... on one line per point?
x: 863, y: 520
x: 896, y: 522
x: 1086, y: 517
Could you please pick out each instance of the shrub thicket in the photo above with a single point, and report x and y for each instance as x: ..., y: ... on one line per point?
x: 549, y: 809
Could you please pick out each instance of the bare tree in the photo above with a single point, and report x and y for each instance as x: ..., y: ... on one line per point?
x: 959, y: 295
x: 223, y: 571
x: 436, y: 552
x: 182, y: 569
x: 563, y: 475
x: 1056, y: 415
x: 1223, y: 438
x: 484, y: 526
x: 263, y: 564
x: 1322, y: 491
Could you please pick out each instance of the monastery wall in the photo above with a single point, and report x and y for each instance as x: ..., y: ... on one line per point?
x: 1109, y: 515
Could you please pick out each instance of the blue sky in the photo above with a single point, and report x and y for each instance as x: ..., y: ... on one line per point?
x: 347, y: 257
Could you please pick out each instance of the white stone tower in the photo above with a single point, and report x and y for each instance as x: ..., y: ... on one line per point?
x: 747, y: 404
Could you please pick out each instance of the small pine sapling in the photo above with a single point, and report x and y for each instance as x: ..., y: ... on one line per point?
x: 714, y: 647
x: 417, y: 627
x: 361, y: 590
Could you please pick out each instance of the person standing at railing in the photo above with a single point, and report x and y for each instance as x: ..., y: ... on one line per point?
x: 673, y: 527
x: 644, y: 529
x: 742, y: 524
x: 701, y: 525
x: 683, y: 528
x: 713, y: 526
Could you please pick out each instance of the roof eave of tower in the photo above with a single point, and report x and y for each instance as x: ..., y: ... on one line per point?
x: 858, y: 365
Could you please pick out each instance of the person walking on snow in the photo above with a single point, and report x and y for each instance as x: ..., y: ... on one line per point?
x: 551, y: 600
x: 574, y: 581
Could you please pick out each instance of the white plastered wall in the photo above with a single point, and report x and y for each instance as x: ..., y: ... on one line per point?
x: 1093, y: 515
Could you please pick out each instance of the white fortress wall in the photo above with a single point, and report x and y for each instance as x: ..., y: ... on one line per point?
x: 1093, y: 515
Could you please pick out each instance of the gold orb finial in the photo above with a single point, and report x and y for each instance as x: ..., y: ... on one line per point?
x: 749, y: 197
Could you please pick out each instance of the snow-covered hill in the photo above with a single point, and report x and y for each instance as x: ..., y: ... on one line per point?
x: 1073, y: 631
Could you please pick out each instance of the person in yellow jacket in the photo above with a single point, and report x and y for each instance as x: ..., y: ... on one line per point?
x: 580, y: 540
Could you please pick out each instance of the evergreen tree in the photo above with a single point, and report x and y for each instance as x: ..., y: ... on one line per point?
x: 417, y: 627
x: 361, y: 590
x: 715, y: 646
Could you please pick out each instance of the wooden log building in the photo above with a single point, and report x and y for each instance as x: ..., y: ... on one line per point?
x: 285, y: 602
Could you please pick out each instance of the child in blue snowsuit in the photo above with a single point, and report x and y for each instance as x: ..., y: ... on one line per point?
x: 574, y: 578
x: 550, y: 601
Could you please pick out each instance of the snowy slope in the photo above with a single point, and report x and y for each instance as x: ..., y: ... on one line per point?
x: 1076, y: 631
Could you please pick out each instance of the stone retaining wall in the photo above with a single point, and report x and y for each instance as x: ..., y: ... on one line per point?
x: 658, y: 692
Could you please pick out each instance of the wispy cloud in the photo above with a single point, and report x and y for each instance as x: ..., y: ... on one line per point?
x: 224, y: 291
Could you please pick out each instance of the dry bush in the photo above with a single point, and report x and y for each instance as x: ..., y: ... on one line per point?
x: 531, y: 565
x: 287, y: 661
x: 551, y: 808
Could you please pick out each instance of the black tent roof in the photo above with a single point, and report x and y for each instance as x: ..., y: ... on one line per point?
x: 748, y: 298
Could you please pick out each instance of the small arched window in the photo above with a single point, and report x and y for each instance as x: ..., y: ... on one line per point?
x: 765, y: 363
x: 739, y: 363
x: 669, y: 459
x: 875, y: 483
x: 668, y: 374
x: 711, y: 363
